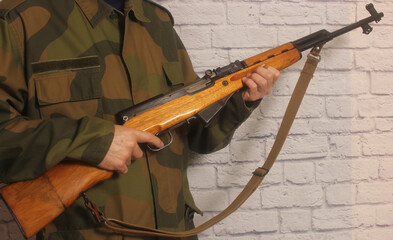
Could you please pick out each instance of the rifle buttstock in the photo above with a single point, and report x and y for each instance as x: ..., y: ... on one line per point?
x: 35, y: 203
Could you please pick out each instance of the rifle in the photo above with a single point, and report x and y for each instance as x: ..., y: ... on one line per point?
x: 35, y: 203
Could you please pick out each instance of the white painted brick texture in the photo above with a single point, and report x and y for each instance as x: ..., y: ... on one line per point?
x: 334, y: 177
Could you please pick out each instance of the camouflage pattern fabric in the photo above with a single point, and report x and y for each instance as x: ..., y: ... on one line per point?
x: 67, y: 67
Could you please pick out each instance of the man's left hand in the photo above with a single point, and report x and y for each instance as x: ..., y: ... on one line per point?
x: 259, y: 83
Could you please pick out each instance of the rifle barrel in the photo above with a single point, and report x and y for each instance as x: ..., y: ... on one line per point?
x: 324, y: 36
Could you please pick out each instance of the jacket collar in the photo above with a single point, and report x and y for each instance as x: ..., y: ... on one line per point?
x: 96, y: 10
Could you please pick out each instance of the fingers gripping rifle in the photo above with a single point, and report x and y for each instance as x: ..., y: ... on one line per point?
x: 37, y: 202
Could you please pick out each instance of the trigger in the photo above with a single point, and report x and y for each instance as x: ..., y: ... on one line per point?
x: 155, y: 149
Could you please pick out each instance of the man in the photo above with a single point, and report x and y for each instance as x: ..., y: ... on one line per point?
x: 67, y: 67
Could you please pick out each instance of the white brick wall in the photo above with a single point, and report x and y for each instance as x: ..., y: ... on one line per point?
x: 334, y: 177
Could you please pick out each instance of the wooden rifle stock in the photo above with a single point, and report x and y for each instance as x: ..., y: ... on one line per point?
x: 35, y: 203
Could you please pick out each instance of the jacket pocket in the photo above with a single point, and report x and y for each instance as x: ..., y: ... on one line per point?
x: 174, y: 74
x: 70, y: 88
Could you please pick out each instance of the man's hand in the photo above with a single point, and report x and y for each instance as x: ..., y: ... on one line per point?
x: 125, y: 148
x: 259, y: 83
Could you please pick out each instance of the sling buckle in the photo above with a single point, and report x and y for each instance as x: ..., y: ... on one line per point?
x: 261, y: 172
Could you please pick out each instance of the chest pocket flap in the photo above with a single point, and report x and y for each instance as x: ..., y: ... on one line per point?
x: 66, y: 86
x: 67, y: 80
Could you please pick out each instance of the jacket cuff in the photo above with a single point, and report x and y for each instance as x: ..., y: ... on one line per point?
x: 97, y: 147
x: 243, y: 108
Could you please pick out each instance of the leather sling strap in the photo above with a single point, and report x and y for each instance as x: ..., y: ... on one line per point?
x: 258, y: 175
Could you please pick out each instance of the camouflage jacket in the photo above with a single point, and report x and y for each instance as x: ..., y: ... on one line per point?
x: 67, y: 67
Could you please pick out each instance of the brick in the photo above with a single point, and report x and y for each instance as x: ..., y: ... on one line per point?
x: 196, y: 37
x: 362, y: 125
x: 265, y: 236
x: 283, y: 13
x: 286, y: 83
x: 202, y: 177
x: 341, y: 107
x: 341, y: 235
x: 301, y: 236
x: 295, y: 220
x: 384, y: 215
x: 248, y: 222
x: 378, y: 144
x: 292, y: 196
x: 338, y: 59
x: 256, y: 128
x: 340, y: 194
x: 365, y: 169
x: 274, y: 107
x: 363, y: 216
x: 373, y: 60
x: 247, y: 151
x: 203, y: 13
x: 250, y: 236
x: 345, y: 145
x: 332, y: 126
x: 381, y: 83
x: 341, y: 13
x: 376, y: 233
x: 342, y: 218
x: 223, y: 37
x: 299, y: 172
x: 374, y: 193
x: 384, y: 124
x: 303, y: 147
x: 208, y: 59
x: 333, y: 171
x: 312, y: 107
x: 381, y: 36
x: 240, y: 13
x: 235, y: 175
x: 386, y: 169
x: 339, y: 83
x: 381, y: 106
x: 211, y: 200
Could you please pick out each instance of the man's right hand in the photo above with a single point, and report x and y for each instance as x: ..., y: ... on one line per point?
x: 125, y: 148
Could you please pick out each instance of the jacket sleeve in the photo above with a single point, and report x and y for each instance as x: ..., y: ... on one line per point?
x: 29, y: 147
